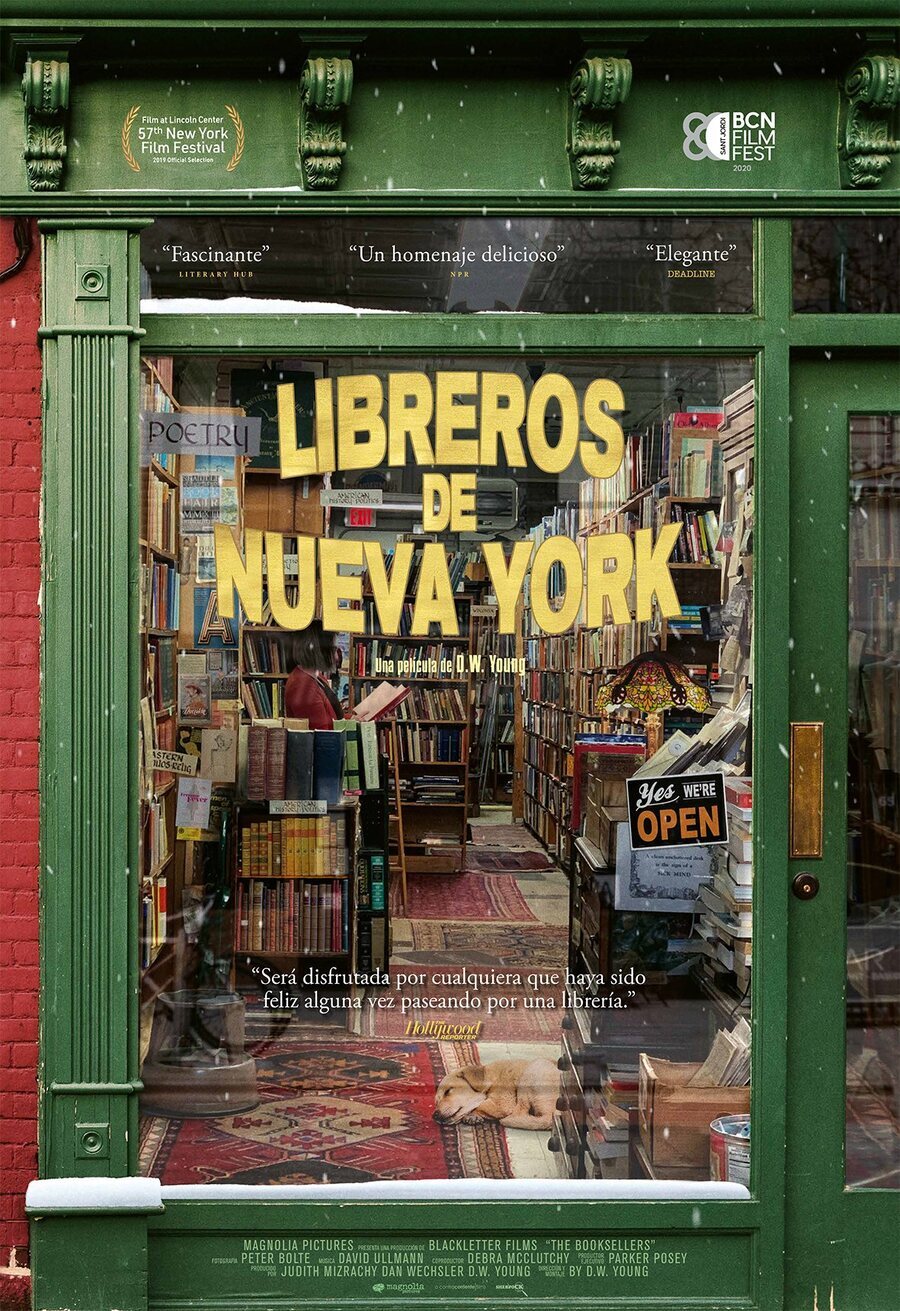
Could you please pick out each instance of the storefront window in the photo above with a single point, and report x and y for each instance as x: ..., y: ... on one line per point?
x: 873, y: 894
x: 446, y: 789
x: 533, y: 265
x: 846, y: 266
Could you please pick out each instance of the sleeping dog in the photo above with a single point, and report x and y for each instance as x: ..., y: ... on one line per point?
x: 518, y: 1094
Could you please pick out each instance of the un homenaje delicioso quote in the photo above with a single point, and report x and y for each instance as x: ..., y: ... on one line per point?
x: 362, y: 422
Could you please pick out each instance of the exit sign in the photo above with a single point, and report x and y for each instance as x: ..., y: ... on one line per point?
x: 360, y: 518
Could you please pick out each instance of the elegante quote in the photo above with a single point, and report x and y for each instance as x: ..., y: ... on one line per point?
x: 362, y: 422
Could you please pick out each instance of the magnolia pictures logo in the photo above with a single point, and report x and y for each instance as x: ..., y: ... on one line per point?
x: 730, y: 136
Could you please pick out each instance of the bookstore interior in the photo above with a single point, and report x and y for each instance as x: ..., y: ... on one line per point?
x: 447, y: 778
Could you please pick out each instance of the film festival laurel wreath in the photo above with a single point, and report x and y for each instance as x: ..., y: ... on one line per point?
x: 239, y: 138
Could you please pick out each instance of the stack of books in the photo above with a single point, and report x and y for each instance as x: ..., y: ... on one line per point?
x: 724, y: 927
x: 439, y: 789
x: 610, y: 1111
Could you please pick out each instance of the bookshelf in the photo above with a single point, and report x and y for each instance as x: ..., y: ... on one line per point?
x: 160, y: 599
x: 431, y: 729
x: 296, y: 883
x: 548, y: 709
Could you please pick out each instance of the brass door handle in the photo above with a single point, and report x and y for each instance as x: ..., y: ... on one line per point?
x: 807, y: 791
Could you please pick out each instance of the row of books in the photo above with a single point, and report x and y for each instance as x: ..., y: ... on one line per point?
x: 265, y: 655
x: 697, y: 542
x: 550, y: 792
x: 371, y: 880
x: 286, y: 761
x: 546, y: 756
x: 404, y: 627
x: 644, y: 463
x: 444, y: 703
x: 549, y: 826
x: 551, y: 651
x: 613, y: 645
x: 304, y: 917
x: 547, y: 721
x: 430, y: 743
x: 688, y: 622
x: 296, y: 846
x: 156, y: 834
x: 262, y: 700
x: 457, y: 563
x: 548, y: 685
x: 425, y: 660
x: 153, y: 919
x: 563, y: 522
x: 161, y: 671
x: 162, y: 520
x: 160, y: 595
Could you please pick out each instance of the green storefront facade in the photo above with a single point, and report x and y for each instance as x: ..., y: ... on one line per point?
x: 336, y: 112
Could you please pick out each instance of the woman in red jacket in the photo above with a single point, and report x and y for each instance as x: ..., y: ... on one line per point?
x: 307, y: 693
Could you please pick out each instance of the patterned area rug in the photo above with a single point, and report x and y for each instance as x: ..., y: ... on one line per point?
x: 518, y: 946
x: 468, y: 896
x: 488, y: 860
x: 513, y: 1021
x: 342, y: 1111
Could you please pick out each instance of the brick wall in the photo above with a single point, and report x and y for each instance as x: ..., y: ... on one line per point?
x: 20, y: 559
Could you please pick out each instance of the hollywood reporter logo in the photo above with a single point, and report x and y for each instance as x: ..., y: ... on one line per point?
x: 729, y: 135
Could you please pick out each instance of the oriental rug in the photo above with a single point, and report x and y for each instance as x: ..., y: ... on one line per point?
x: 342, y: 1111
x: 468, y: 896
x: 521, y: 1013
x: 527, y: 946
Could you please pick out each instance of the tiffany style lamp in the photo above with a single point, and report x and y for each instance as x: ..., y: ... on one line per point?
x: 652, y: 683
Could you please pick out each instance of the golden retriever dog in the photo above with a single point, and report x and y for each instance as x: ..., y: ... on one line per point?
x: 518, y: 1094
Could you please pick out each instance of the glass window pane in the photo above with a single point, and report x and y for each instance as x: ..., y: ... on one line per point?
x: 535, y: 1001
x: 846, y: 266
x: 873, y: 892
x: 458, y: 265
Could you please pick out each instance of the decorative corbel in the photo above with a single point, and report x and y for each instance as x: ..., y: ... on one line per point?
x: 599, y: 83
x: 871, y: 92
x: 325, y: 89
x: 45, y: 90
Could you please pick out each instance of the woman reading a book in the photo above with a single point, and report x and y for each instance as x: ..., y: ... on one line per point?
x: 308, y: 693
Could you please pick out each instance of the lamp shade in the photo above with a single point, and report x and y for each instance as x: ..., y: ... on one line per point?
x: 650, y: 683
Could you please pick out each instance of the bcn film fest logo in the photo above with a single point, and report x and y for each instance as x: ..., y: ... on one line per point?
x: 729, y: 135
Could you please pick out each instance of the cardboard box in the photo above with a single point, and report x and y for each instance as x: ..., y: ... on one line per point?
x: 613, y: 792
x: 283, y: 506
x: 610, y: 818
x: 593, y: 804
x: 674, y: 1120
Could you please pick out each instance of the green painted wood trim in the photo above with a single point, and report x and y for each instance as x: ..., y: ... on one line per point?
x: 89, y: 889
x: 837, y: 1243
x: 736, y: 334
x: 772, y: 493
x: 801, y: 203
x: 331, y: 13
x: 449, y: 334
x: 460, y: 1217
